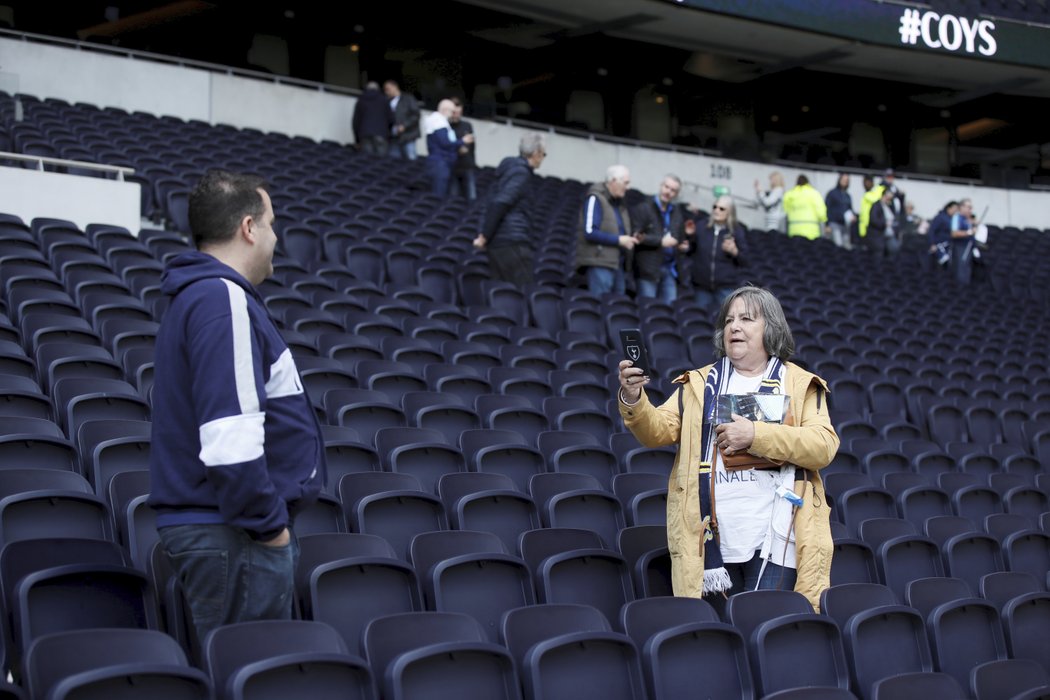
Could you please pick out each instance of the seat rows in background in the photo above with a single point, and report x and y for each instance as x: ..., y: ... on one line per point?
x: 938, y: 406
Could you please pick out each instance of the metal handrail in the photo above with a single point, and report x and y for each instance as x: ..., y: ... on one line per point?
x: 41, y: 161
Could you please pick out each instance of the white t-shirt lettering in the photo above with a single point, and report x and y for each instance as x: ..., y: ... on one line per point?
x: 744, y: 498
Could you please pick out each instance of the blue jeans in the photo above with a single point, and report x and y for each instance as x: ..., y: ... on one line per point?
x: 228, y: 577
x: 745, y: 578
x: 464, y: 184
x: 374, y: 145
x: 712, y: 301
x: 666, y: 288
x: 962, y: 260
x: 439, y: 173
x: 602, y: 280
x: 406, y: 150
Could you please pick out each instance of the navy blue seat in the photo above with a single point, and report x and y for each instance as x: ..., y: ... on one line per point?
x: 573, y: 566
x: 438, y: 655
x: 561, y: 648
x: 470, y: 572
x: 393, y: 506
x: 670, y: 631
x: 283, y: 658
x: 644, y: 549
x: 115, y: 663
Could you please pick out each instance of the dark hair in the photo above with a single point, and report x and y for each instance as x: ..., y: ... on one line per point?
x: 456, y: 101
x: 802, y: 180
x: 777, y: 339
x: 220, y: 201
x: 950, y: 204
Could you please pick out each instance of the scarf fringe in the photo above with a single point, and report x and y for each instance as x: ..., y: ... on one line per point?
x: 716, y: 581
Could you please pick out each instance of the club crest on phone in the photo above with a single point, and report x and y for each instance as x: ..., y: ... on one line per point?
x: 633, y: 352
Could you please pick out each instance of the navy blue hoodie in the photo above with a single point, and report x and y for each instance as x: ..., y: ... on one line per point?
x: 235, y: 439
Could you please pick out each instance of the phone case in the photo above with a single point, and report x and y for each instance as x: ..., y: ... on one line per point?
x: 634, y: 349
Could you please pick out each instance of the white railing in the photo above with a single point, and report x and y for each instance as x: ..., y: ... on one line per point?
x: 119, y: 170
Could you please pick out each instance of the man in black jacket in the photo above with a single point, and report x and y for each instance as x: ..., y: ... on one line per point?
x: 661, y: 227
x: 506, y: 231
x: 405, y: 131
x: 464, y: 172
x: 372, y: 120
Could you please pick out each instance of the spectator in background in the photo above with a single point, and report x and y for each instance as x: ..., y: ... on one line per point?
x: 237, y: 450
x: 940, y: 236
x: 883, y: 227
x: 506, y: 231
x: 605, y: 233
x: 771, y: 202
x: 661, y: 227
x: 372, y: 121
x: 405, y: 129
x: 840, y: 212
x: 962, y: 231
x: 718, y: 251
x: 889, y: 182
x: 872, y: 194
x: 442, y: 147
x: 464, y: 172
x: 807, y: 216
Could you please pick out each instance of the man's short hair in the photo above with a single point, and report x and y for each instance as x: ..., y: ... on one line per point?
x: 618, y: 173
x: 950, y: 204
x: 530, y: 143
x: 371, y: 85
x: 220, y: 201
x: 802, y: 180
x: 456, y: 101
x: 673, y: 178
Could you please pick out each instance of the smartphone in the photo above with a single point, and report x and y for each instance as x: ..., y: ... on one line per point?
x: 634, y: 349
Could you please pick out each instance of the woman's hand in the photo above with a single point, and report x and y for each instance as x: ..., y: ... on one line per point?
x: 729, y: 246
x: 735, y: 437
x: 631, y: 381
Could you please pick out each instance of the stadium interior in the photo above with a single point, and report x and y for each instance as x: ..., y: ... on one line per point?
x: 489, y: 529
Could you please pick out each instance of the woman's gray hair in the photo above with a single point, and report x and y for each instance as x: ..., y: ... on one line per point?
x: 777, y: 338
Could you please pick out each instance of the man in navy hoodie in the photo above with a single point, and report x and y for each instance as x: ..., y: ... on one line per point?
x: 236, y: 447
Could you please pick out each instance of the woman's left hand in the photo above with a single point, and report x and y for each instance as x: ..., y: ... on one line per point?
x: 736, y: 437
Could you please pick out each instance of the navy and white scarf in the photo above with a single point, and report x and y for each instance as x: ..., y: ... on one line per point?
x: 716, y: 578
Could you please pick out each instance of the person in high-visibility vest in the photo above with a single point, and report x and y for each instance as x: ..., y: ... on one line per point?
x: 872, y: 195
x: 807, y: 214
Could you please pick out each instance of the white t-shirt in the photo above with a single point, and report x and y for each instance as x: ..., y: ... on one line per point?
x: 743, y: 499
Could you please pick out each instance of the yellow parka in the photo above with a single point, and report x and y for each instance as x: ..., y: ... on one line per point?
x: 811, y: 444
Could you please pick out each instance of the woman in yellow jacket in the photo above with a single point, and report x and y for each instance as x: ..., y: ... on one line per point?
x: 807, y: 214
x: 760, y: 524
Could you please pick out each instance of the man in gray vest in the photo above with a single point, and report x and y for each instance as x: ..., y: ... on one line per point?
x: 605, y: 233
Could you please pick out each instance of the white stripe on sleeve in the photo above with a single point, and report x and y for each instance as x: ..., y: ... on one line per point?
x: 243, y: 366
x: 592, y: 202
x: 232, y: 440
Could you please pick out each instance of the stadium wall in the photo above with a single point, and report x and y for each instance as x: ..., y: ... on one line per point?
x: 217, y: 95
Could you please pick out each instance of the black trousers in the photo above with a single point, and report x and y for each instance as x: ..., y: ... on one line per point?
x: 512, y: 263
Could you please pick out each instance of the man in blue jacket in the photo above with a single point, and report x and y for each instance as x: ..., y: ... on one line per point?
x: 506, y: 231
x: 236, y: 447
x: 442, y: 147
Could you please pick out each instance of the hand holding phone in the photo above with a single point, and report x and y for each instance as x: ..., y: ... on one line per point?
x: 634, y: 350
